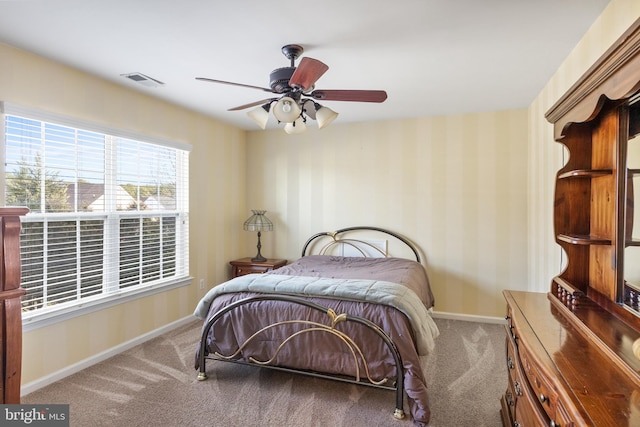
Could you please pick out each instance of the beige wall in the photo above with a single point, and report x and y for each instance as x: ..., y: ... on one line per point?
x: 217, y: 176
x: 545, y: 155
x: 456, y: 185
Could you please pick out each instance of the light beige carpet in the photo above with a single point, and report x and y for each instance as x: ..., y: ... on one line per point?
x: 155, y: 384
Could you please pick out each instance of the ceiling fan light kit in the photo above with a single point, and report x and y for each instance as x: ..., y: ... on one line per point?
x: 324, y: 115
x: 260, y: 115
x: 287, y: 110
x: 298, y: 126
x: 296, y: 88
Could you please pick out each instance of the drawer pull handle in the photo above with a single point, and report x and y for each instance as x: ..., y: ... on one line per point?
x: 516, y: 386
x: 510, y: 363
x: 543, y: 398
x: 509, y: 398
x: 553, y: 424
x: 516, y: 424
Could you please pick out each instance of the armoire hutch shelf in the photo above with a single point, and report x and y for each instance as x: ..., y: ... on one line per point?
x: 573, y: 355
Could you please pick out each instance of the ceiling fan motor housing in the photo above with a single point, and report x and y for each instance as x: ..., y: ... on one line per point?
x: 279, y: 79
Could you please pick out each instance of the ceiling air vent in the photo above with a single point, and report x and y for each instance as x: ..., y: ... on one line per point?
x: 143, y: 79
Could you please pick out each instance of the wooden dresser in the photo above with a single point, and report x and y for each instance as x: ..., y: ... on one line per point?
x: 559, y: 374
x: 573, y: 354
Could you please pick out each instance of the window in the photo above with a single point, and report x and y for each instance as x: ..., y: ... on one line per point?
x: 109, y: 212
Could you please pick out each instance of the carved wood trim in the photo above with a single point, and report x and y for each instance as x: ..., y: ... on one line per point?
x: 10, y: 305
x: 614, y: 76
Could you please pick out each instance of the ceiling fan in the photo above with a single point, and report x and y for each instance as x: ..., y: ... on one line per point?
x: 296, y: 95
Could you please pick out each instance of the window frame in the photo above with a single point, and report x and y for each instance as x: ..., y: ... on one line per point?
x: 102, y: 301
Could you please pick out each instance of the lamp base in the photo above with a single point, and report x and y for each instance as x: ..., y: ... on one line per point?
x: 259, y: 257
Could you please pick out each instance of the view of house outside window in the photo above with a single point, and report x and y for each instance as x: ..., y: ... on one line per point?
x: 107, y: 214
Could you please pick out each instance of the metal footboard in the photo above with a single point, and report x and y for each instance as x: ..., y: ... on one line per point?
x: 309, y: 327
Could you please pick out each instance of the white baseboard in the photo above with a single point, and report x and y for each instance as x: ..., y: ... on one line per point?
x: 468, y: 317
x: 83, y: 364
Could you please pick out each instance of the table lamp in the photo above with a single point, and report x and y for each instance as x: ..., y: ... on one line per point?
x: 258, y: 222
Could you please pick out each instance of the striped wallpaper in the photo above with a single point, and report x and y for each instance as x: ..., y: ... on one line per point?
x: 456, y: 185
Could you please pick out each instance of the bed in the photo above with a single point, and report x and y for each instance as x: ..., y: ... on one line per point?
x: 347, y: 310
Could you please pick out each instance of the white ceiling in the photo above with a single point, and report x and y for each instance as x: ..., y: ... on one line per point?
x: 433, y: 57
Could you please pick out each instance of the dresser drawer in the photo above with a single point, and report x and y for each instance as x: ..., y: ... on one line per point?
x: 528, y: 412
x: 543, y: 389
x: 509, y: 400
x: 524, y: 410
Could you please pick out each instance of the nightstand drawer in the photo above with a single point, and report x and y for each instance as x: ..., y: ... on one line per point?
x: 243, y: 266
x: 241, y: 270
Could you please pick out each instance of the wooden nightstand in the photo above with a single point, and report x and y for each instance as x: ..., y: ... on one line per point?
x: 242, y: 266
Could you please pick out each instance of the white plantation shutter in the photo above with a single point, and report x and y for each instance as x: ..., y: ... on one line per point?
x: 109, y: 212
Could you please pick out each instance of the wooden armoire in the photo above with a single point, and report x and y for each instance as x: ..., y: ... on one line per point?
x: 10, y: 307
x: 573, y: 355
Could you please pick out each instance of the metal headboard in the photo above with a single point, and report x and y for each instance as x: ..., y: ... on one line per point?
x: 354, y: 243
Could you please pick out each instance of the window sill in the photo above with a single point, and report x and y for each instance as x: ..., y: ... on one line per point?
x: 55, y: 316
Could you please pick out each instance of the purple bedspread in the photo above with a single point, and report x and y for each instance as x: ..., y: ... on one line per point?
x: 335, y: 358
x: 396, y: 270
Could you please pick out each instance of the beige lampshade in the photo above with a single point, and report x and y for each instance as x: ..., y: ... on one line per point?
x: 286, y: 110
x: 324, y: 116
x: 260, y: 115
x: 296, y: 127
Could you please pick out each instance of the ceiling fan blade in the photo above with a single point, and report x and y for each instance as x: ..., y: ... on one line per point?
x: 252, y: 104
x: 350, y: 95
x: 204, y: 79
x: 308, y: 72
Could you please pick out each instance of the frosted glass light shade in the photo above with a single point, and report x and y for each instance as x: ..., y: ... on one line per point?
x: 296, y: 127
x: 286, y: 110
x: 260, y: 115
x: 324, y: 116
